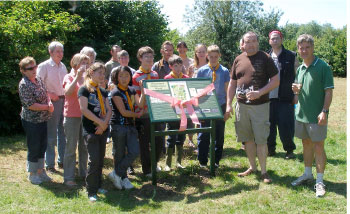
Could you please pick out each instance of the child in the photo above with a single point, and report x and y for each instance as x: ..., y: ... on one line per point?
x: 176, y: 66
x: 94, y: 106
x: 220, y: 77
x: 146, y: 55
x: 124, y: 133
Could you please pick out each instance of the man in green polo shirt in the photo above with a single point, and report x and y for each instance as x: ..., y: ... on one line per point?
x: 313, y: 89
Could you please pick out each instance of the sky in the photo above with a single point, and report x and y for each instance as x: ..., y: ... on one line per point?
x: 295, y: 11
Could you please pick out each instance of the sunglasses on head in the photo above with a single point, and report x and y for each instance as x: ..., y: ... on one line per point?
x: 30, y: 68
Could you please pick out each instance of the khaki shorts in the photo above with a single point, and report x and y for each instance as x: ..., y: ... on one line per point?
x: 313, y: 131
x: 252, y: 122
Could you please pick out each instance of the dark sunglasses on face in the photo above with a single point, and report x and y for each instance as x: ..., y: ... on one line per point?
x: 30, y: 68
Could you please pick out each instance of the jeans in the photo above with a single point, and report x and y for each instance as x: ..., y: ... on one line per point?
x: 143, y: 126
x: 96, y: 146
x: 74, y: 134
x: 177, y: 139
x: 124, y: 137
x: 55, y: 135
x: 204, y: 140
x: 281, y: 116
x: 36, y: 137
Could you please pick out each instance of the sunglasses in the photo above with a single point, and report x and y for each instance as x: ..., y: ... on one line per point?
x: 30, y: 68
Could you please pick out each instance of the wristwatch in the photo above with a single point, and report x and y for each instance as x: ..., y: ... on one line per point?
x: 325, y: 111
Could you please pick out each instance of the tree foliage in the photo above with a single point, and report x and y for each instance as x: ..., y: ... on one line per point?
x: 224, y: 22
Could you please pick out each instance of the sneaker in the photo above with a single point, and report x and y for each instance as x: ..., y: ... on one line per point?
x: 203, y: 166
x: 178, y: 165
x: 93, y: 198
x: 302, y: 179
x: 109, y: 140
x: 131, y: 170
x: 115, y: 179
x: 149, y: 175
x: 167, y: 168
x: 126, y: 184
x: 35, y: 179
x: 158, y: 169
x: 51, y: 169
x: 216, y: 165
x: 44, y: 177
x: 289, y: 155
x: 320, y: 189
x: 102, y: 191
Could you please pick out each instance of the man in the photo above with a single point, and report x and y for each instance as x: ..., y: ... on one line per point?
x: 123, y: 59
x: 313, y: 89
x: 251, y: 72
x: 162, y: 66
x: 52, y: 72
x: 113, y: 62
x: 281, y: 98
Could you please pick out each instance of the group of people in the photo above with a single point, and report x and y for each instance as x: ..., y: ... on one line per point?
x: 94, y: 101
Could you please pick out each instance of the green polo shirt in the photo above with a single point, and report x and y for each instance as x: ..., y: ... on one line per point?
x: 315, y: 79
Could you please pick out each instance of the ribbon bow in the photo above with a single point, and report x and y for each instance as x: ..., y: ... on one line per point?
x: 180, y: 103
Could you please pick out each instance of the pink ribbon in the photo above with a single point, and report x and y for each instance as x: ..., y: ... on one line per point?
x: 188, y: 103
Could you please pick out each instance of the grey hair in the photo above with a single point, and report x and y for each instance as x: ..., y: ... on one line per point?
x: 86, y: 50
x: 305, y: 38
x: 53, y: 45
x: 250, y: 33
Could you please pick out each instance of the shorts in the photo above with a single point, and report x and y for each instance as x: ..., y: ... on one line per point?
x: 252, y: 122
x: 312, y: 131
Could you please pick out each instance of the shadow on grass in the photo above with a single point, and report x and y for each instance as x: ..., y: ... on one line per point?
x: 12, y: 145
x: 285, y: 181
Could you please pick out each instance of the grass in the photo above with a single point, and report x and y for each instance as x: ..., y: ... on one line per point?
x: 191, y: 190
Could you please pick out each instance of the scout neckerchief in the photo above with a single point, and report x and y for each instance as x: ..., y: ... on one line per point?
x: 175, y: 76
x: 214, y: 70
x: 127, y: 96
x: 146, y: 72
x: 100, y: 98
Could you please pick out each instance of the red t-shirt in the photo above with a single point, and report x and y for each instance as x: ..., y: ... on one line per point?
x: 171, y: 77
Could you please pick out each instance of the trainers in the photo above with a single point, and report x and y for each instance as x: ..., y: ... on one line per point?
x: 115, y: 179
x: 35, y: 179
x: 302, y: 179
x: 131, y: 170
x: 203, y: 166
x: 289, y: 155
x: 44, y: 177
x: 167, y: 168
x: 126, y: 184
x: 178, y: 165
x: 101, y: 191
x: 149, y: 175
x: 158, y: 169
x: 320, y: 189
x: 216, y: 165
x: 93, y: 198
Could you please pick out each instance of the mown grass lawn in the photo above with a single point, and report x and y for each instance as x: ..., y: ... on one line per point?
x: 191, y: 190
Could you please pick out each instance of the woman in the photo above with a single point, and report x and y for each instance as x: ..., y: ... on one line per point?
x: 36, y: 110
x: 200, y: 59
x: 72, y: 120
x: 182, y: 49
x: 94, y: 106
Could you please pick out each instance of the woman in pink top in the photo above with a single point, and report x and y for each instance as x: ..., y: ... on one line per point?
x: 72, y: 120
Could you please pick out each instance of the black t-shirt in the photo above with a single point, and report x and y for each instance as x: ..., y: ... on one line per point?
x: 94, y: 106
x: 253, y: 73
x: 117, y: 118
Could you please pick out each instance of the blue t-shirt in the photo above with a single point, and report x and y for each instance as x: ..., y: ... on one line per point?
x: 222, y: 77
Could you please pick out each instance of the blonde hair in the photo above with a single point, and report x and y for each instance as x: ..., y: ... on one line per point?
x: 26, y: 61
x: 305, y: 38
x: 196, y: 60
x: 94, y: 67
x: 77, y: 59
x: 214, y: 48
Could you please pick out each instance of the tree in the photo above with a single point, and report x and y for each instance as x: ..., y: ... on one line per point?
x: 26, y: 28
x: 224, y: 22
